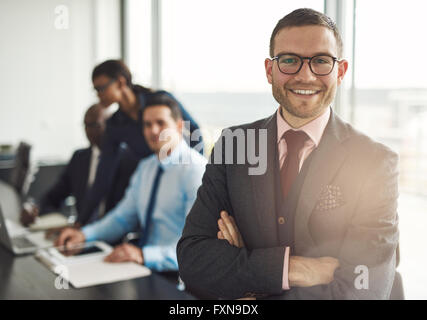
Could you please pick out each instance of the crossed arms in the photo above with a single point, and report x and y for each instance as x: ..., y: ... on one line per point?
x: 303, y: 271
x: 228, y: 269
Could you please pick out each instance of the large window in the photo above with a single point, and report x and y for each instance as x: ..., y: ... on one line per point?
x: 213, y: 56
x: 391, y: 91
x: 138, y: 40
x: 391, y: 106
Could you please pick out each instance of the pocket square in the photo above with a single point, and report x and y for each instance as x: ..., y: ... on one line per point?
x: 330, y: 198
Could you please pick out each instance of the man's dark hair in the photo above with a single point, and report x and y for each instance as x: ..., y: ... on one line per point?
x: 164, y: 99
x: 306, y: 17
x: 113, y: 69
x: 95, y: 108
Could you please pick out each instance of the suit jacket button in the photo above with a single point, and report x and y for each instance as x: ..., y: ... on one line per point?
x: 281, y: 220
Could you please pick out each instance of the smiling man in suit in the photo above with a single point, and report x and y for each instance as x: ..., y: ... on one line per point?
x: 321, y: 221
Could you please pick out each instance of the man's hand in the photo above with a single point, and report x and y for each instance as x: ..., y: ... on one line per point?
x: 126, y: 252
x: 303, y: 272
x: 70, y: 237
x: 29, y: 214
x: 308, y: 272
x: 228, y: 230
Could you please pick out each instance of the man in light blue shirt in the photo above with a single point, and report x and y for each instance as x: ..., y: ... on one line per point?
x: 160, y: 195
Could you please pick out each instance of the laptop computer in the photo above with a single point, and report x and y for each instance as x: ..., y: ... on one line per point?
x: 21, y: 175
x: 20, y: 240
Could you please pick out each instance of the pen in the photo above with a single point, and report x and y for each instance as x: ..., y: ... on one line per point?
x: 65, y: 244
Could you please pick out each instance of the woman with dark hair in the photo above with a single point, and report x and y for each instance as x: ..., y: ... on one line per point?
x: 112, y: 81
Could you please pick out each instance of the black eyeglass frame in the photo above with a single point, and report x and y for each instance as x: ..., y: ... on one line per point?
x: 335, y: 59
x: 102, y: 88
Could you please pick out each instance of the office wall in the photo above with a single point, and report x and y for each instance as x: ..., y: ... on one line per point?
x: 45, y: 67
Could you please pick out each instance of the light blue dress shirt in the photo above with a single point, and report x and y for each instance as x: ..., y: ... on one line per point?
x: 177, y: 191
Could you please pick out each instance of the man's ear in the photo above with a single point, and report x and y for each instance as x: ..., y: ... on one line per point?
x: 268, y: 63
x: 180, y: 125
x: 342, y: 70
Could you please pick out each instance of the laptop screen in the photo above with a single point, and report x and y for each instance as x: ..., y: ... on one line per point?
x: 19, y: 174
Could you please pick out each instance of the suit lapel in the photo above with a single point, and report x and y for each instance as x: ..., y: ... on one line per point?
x: 264, y: 185
x: 327, y: 159
x: 85, y: 167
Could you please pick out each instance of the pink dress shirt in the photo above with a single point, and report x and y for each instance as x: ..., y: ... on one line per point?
x: 314, y: 131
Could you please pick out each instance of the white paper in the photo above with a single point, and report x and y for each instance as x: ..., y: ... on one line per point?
x: 48, y: 221
x: 98, y: 272
x: 90, y: 270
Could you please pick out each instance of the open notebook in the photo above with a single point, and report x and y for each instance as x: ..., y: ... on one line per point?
x: 89, y: 269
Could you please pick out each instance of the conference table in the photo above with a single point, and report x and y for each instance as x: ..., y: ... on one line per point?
x: 24, y: 277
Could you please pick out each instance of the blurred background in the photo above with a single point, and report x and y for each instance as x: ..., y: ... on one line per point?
x: 210, y: 55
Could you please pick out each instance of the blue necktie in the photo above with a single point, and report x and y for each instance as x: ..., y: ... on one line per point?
x: 150, y: 207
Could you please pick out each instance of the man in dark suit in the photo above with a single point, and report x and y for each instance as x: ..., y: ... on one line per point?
x: 79, y: 174
x: 320, y: 221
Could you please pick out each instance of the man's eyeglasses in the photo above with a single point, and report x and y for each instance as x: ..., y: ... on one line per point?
x: 99, y: 89
x: 320, y: 65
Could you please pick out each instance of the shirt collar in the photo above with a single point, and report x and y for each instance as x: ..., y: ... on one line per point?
x: 314, y: 129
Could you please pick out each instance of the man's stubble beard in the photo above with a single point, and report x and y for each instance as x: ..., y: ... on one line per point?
x: 297, y: 111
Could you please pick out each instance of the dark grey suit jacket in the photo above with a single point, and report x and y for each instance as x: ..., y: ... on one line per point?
x: 74, y: 178
x: 358, y: 227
